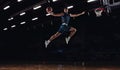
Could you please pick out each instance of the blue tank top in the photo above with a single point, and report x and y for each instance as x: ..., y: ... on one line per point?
x: 65, y: 18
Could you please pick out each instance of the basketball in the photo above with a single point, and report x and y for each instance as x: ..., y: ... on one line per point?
x: 49, y: 9
x: 99, y: 9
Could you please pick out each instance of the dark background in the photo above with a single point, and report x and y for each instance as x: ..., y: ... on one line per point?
x: 96, y: 41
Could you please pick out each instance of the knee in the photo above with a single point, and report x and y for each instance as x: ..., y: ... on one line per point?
x: 74, y: 30
x: 54, y: 35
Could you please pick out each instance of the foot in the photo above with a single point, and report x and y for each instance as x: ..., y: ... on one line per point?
x: 46, y: 43
x: 67, y: 40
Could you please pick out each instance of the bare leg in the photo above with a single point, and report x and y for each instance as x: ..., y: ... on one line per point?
x: 72, y: 32
x: 52, y: 38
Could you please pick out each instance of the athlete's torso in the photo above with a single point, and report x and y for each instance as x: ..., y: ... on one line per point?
x: 65, y: 18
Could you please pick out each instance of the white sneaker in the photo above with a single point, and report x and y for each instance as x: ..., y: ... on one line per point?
x: 67, y: 40
x: 46, y: 44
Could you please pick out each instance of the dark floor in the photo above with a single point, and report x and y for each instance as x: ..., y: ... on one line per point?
x: 53, y: 67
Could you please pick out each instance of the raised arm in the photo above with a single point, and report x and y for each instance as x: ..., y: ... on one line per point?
x: 76, y: 15
x: 49, y: 10
x: 56, y: 15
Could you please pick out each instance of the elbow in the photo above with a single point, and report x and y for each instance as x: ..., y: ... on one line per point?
x: 76, y: 15
x: 73, y: 16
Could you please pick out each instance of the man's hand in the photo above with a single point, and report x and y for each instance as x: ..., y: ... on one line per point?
x: 51, y: 13
x: 83, y: 12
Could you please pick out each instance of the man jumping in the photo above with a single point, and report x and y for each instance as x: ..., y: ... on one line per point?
x: 64, y: 26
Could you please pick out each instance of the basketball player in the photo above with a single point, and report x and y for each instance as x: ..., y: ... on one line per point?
x: 64, y: 26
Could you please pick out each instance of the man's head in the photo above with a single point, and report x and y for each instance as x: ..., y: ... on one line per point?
x: 65, y: 10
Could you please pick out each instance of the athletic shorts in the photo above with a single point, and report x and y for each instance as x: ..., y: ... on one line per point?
x: 64, y: 28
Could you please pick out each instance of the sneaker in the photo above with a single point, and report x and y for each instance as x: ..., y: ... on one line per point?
x: 67, y: 40
x: 46, y: 44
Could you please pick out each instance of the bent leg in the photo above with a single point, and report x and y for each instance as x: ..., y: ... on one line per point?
x: 72, y: 32
x: 52, y: 38
x: 55, y: 36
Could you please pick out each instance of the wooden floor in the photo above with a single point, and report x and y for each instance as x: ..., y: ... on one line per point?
x: 52, y: 67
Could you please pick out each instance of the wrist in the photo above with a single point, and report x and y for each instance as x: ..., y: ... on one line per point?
x: 51, y: 13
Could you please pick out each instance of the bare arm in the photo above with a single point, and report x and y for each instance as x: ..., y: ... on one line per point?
x: 49, y: 10
x: 76, y: 15
x: 56, y: 15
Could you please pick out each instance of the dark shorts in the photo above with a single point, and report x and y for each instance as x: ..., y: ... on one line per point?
x: 64, y: 28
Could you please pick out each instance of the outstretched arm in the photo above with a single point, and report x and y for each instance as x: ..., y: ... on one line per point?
x: 56, y: 15
x: 49, y: 10
x: 76, y: 15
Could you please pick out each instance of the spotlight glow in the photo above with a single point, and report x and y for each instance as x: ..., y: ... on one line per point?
x: 37, y: 7
x: 69, y: 7
x: 10, y: 19
x: 5, y: 29
x: 22, y: 23
x: 19, y: 0
x: 13, y: 26
x: 23, y: 13
x: 54, y: 0
x: 47, y: 14
x: 90, y: 1
x: 35, y: 18
x: 7, y: 7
